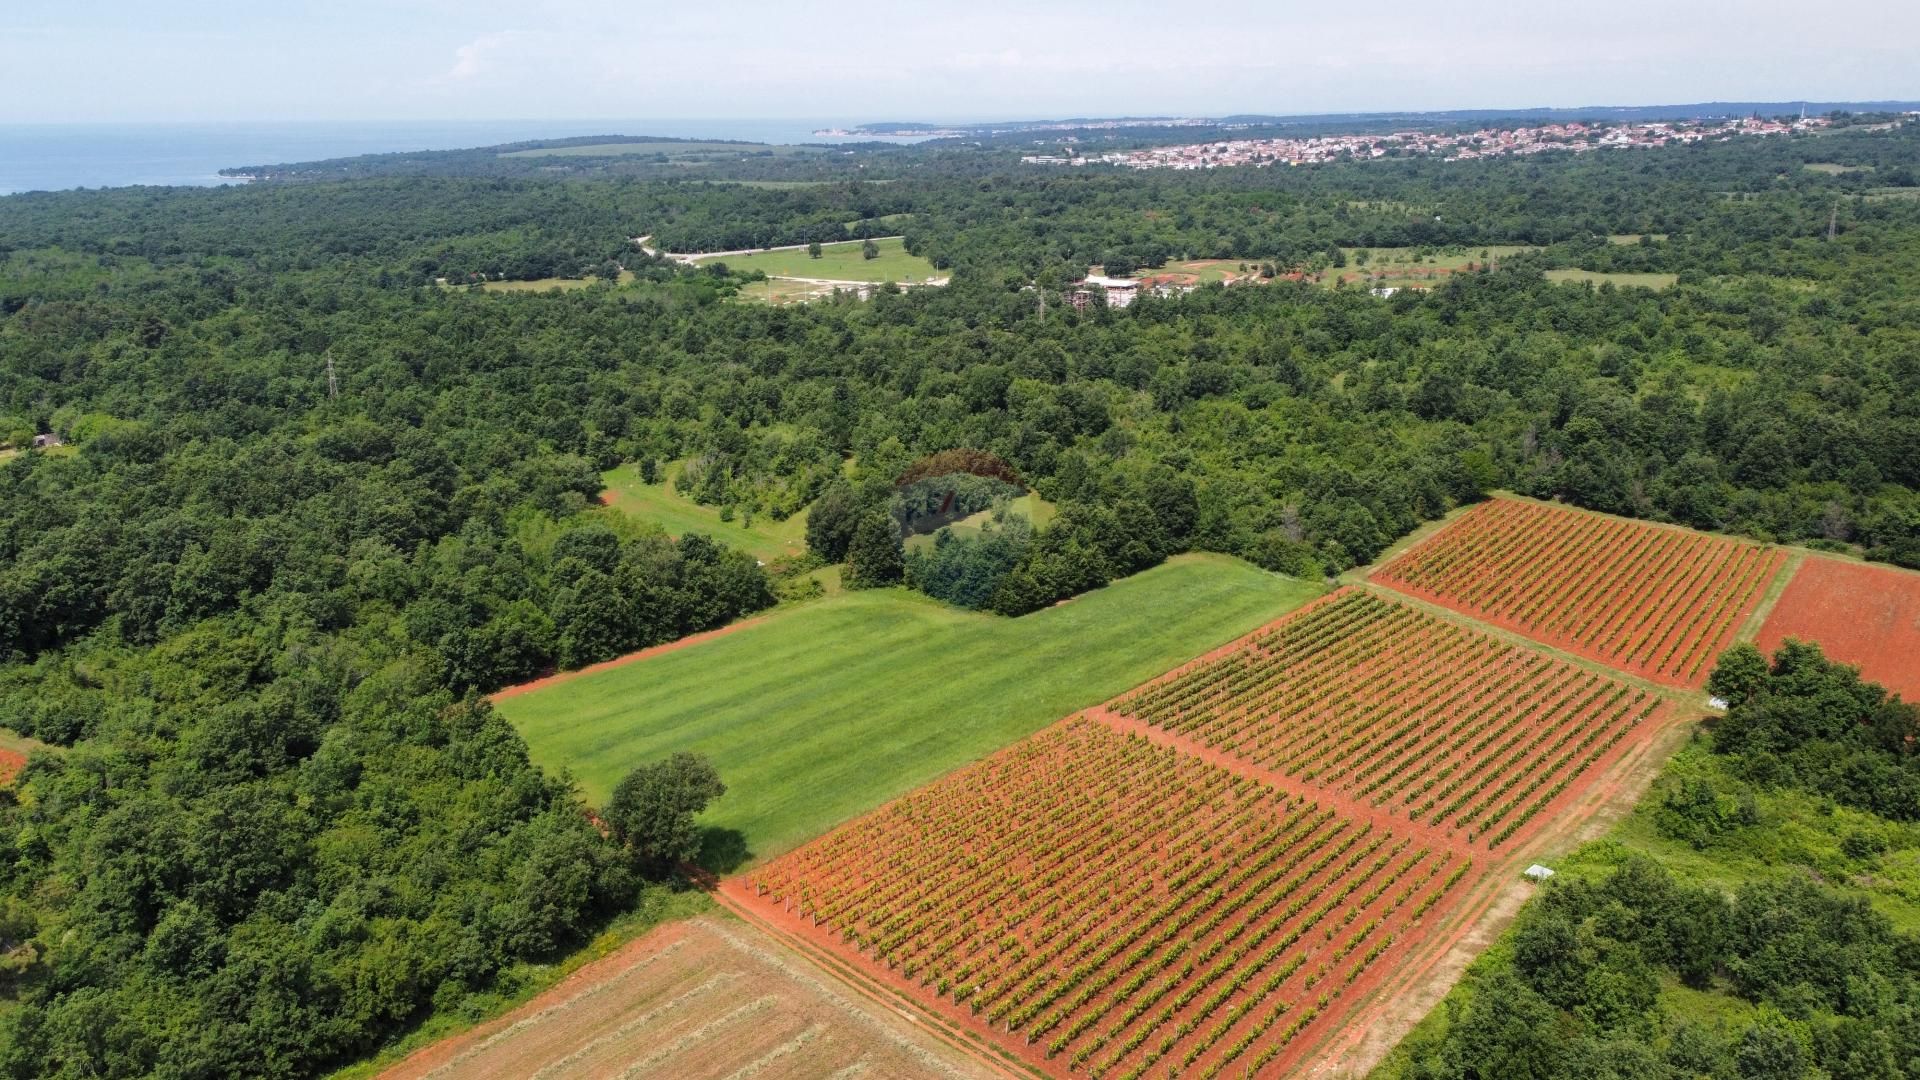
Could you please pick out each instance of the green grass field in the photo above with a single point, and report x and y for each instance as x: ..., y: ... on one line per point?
x: 825, y: 710
x: 1029, y: 506
x: 543, y: 284
x: 1638, y: 281
x: 764, y: 539
x: 840, y: 262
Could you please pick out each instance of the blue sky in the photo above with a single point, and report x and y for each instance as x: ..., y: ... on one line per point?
x: 205, y: 60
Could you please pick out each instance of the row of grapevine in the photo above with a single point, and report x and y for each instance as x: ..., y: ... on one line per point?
x: 1110, y: 907
x: 1654, y: 601
x: 1373, y: 700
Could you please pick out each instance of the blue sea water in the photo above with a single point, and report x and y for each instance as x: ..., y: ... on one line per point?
x: 54, y: 157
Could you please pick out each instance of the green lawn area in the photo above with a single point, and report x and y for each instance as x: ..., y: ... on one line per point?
x: 827, y: 709
x: 1640, y: 281
x: 1029, y: 506
x: 765, y: 539
x: 840, y: 262
x: 543, y: 284
x: 1624, y: 239
x: 1397, y: 268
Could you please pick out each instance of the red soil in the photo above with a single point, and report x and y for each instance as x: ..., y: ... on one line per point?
x: 11, y: 762
x: 621, y: 661
x: 1865, y: 615
x: 1649, y: 600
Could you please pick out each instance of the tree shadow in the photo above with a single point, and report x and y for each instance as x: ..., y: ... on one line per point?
x: 722, y: 851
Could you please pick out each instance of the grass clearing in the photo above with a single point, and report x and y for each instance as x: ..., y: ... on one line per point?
x: 825, y: 710
x: 1630, y: 238
x: 540, y: 284
x: 1030, y: 506
x: 763, y: 537
x: 838, y: 262
x: 1625, y: 281
x: 1834, y: 168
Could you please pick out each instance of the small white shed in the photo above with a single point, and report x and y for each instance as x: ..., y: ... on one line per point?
x: 1538, y: 872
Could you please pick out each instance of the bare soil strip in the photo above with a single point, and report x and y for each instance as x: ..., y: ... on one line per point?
x: 706, y: 998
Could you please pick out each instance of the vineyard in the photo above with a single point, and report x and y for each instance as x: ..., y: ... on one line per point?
x: 1404, y: 711
x: 1657, y: 602
x: 1102, y: 905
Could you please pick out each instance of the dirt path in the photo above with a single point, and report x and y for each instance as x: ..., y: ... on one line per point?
x: 559, y: 677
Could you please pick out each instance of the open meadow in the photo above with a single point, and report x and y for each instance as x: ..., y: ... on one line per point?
x: 1619, y: 280
x: 763, y: 538
x: 820, y: 712
x: 837, y: 262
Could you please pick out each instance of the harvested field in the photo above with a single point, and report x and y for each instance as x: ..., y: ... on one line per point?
x: 1405, y: 713
x: 708, y: 997
x: 1865, y: 615
x: 1102, y: 905
x: 1650, y: 600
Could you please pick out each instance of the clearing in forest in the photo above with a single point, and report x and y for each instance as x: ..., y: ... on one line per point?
x: 1650, y: 600
x: 1865, y: 615
x: 820, y: 712
x: 1101, y: 905
x: 704, y: 999
x: 837, y: 262
x: 762, y: 537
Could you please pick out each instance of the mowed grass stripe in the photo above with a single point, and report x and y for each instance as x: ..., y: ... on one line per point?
x: 827, y: 710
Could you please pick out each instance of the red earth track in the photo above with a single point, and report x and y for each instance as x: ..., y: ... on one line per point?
x: 1864, y: 615
x: 1649, y: 600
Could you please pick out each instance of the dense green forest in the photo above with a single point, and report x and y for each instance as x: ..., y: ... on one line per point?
x: 311, y: 503
x: 1749, y: 937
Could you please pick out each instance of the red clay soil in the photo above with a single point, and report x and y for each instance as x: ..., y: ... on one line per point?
x: 621, y: 661
x: 1865, y: 615
x: 11, y: 762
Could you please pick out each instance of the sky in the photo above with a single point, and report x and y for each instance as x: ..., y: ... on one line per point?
x: 875, y: 60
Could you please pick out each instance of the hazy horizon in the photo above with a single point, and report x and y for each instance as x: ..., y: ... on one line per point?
x: 362, y: 61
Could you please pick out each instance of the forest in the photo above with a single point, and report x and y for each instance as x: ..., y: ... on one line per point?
x: 310, y: 503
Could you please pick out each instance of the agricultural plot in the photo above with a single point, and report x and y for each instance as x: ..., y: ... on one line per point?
x: 1098, y: 904
x: 1864, y: 615
x: 704, y: 998
x: 1653, y: 601
x: 1407, y: 713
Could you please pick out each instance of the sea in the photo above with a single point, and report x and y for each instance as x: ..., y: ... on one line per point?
x: 57, y: 157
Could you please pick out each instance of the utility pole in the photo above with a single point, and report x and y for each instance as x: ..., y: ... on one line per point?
x: 333, y: 380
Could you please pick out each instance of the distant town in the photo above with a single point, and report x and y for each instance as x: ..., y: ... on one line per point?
x: 1578, y: 137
